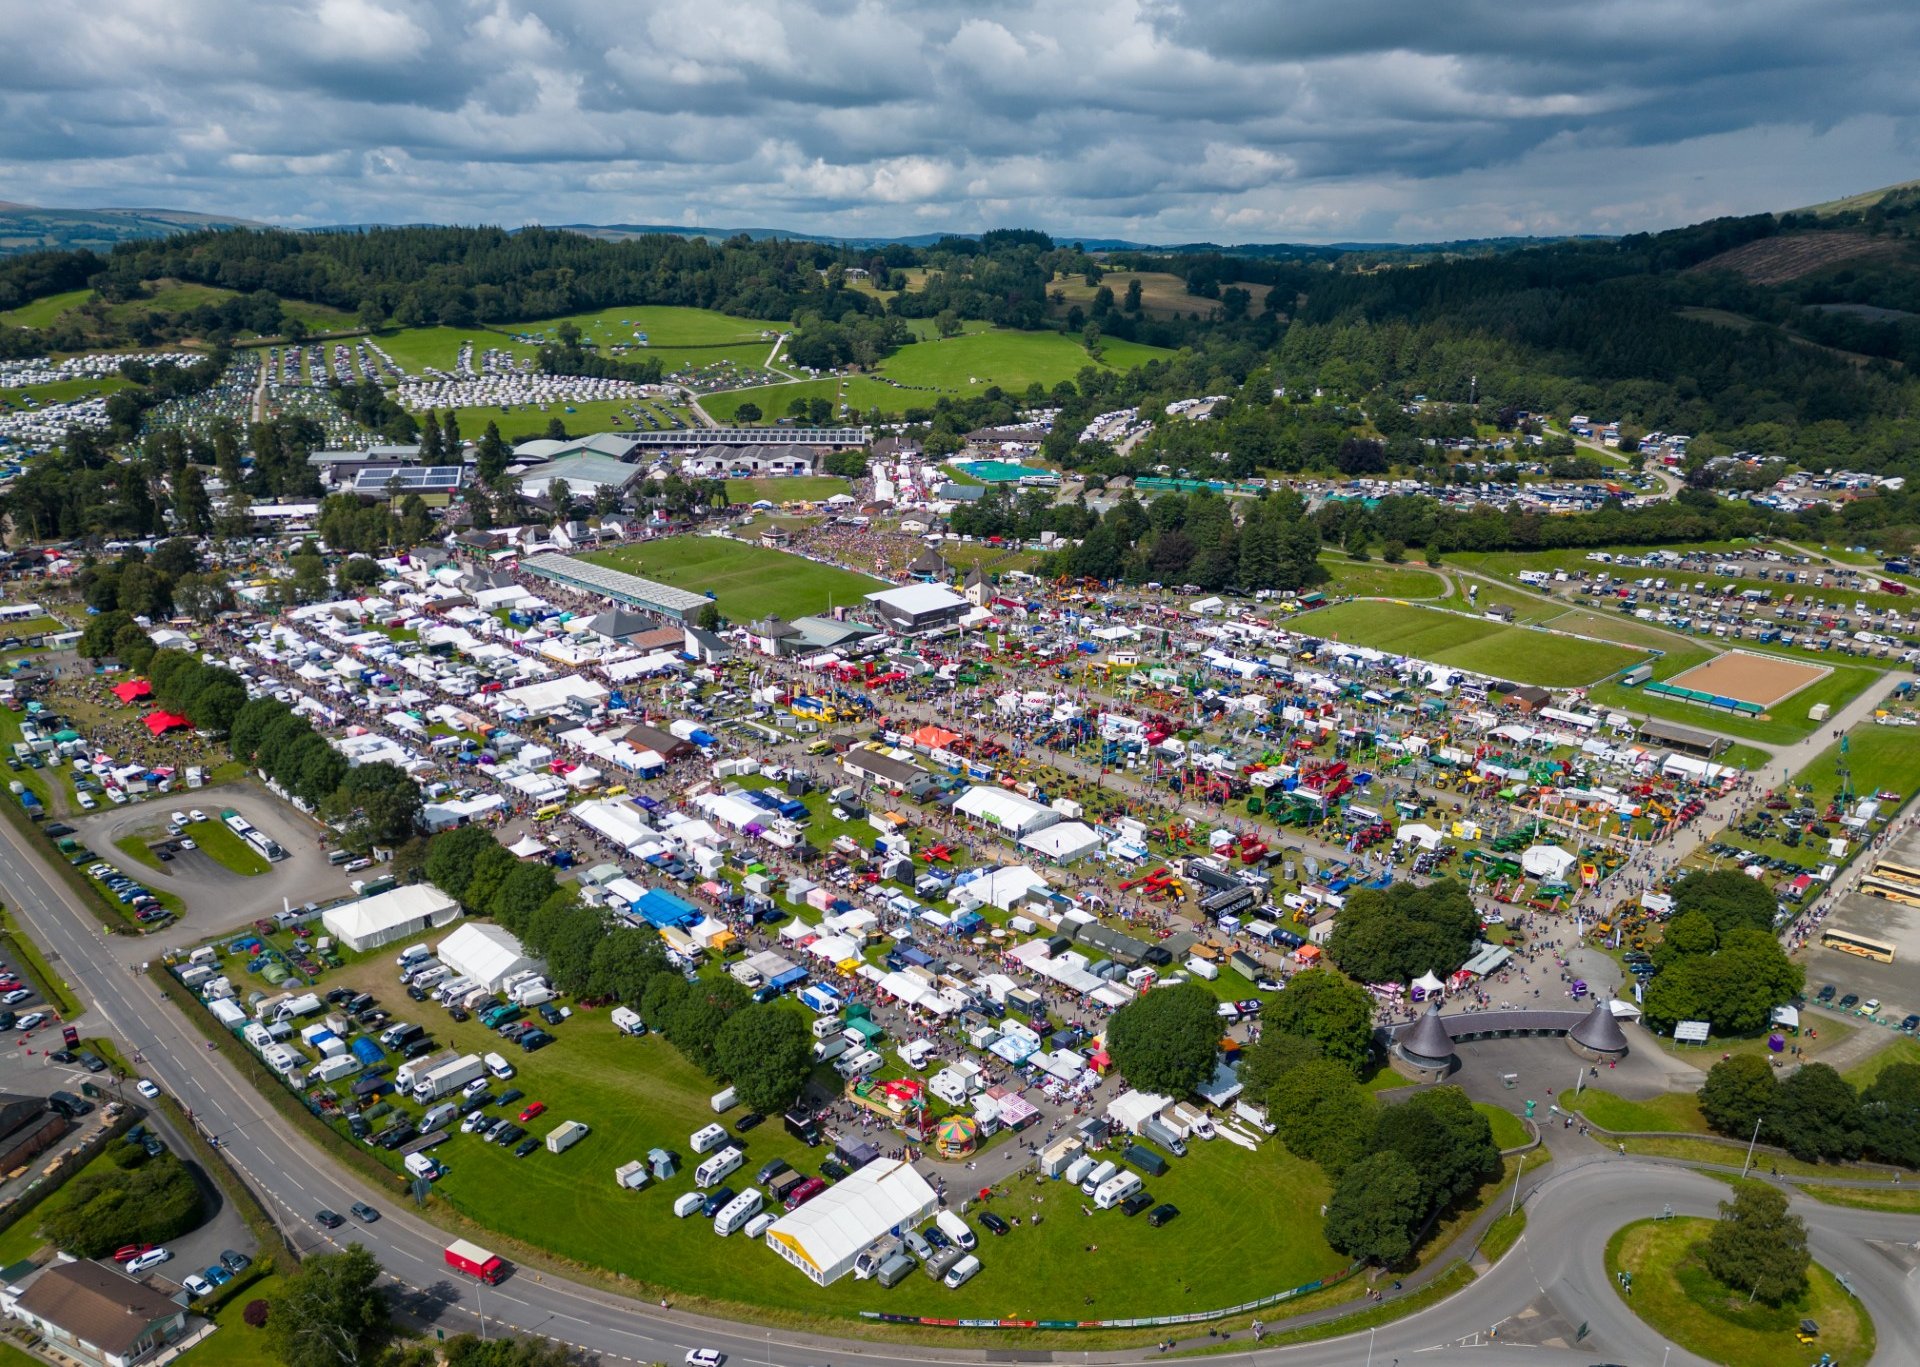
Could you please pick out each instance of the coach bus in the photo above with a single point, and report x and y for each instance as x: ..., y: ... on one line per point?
x: 1896, y: 872
x: 1893, y: 892
x: 1851, y: 942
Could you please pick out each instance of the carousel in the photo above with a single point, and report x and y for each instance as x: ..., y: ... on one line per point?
x: 956, y: 1136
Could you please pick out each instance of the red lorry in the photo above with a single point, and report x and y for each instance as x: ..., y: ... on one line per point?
x: 475, y: 1261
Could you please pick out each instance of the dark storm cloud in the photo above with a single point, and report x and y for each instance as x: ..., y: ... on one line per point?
x: 1156, y: 119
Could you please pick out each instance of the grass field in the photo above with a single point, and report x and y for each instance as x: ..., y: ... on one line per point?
x: 1011, y: 360
x: 234, y: 1342
x: 1674, y: 1292
x: 1380, y: 581
x: 227, y: 849
x: 750, y: 582
x: 530, y: 420
x: 1509, y: 1132
x: 1471, y: 643
x: 1880, y: 757
x: 1899, y: 1049
x: 798, y: 488
x: 1250, y: 1222
x: 665, y: 325
x: 1674, y: 1111
x: 415, y: 349
x: 43, y: 311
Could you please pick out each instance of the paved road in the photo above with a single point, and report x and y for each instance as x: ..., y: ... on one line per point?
x: 1554, y: 1277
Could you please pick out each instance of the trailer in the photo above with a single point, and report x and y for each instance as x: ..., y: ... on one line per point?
x: 450, y: 1077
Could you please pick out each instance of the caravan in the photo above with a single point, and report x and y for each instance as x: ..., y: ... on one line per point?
x: 737, y: 1212
x: 1116, y: 1189
x: 718, y: 1168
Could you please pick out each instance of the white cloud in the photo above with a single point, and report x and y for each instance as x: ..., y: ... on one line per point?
x: 1161, y: 120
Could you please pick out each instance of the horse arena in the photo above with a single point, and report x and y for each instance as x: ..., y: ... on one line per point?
x: 1762, y: 680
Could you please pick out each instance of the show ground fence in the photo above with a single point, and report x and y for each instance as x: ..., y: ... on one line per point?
x: 1145, y: 1322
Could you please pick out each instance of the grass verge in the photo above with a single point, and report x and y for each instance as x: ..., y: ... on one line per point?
x: 266, y: 1236
x: 1453, y: 1279
x: 50, y: 985
x: 234, y: 1343
x: 1905, y: 1200
x: 1727, y: 1153
x: 1676, y: 1295
x: 1502, y: 1235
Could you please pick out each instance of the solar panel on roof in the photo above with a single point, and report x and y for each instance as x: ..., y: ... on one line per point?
x: 410, y: 479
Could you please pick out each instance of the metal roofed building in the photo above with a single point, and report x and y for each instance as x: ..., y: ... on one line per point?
x: 757, y: 436
x: 919, y: 608
x: 434, y: 483
x: 678, y: 605
x: 824, y: 1237
x: 586, y: 472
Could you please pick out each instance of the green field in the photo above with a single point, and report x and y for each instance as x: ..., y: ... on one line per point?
x: 581, y: 419
x: 1011, y: 360
x: 234, y: 1342
x: 797, y: 488
x: 1359, y: 580
x: 750, y: 582
x: 1249, y: 1222
x: 1473, y: 643
x: 666, y: 326
x: 1509, y: 1131
x: 1672, y: 1111
x: 415, y: 349
x: 1900, y: 1049
x: 1674, y: 1293
x: 41, y: 312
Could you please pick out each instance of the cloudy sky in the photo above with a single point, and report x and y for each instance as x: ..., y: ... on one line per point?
x: 1157, y: 120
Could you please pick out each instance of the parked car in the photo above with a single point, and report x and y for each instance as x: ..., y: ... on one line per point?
x: 526, y: 1146
x: 147, y: 1089
x: 994, y: 1222
x: 152, y: 1258
x: 1159, y: 1215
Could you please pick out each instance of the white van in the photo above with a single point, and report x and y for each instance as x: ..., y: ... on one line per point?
x: 719, y: 1167
x: 687, y: 1204
x: 961, y: 1273
x: 723, y: 1100
x: 826, y: 1050
x: 1091, y: 1182
x: 708, y: 1139
x: 410, y: 956
x: 438, y: 1118
x: 1116, y: 1189
x: 956, y: 1229
x: 737, y: 1212
x: 498, y: 1066
x: 758, y: 1224
x: 1078, y: 1169
x: 420, y: 1165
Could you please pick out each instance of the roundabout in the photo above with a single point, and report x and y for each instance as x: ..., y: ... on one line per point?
x: 1673, y: 1291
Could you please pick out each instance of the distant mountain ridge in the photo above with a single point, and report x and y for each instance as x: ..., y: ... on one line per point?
x: 29, y: 228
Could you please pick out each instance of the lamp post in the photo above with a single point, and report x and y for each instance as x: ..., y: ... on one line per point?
x: 1370, y: 1333
x: 1750, y: 1143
